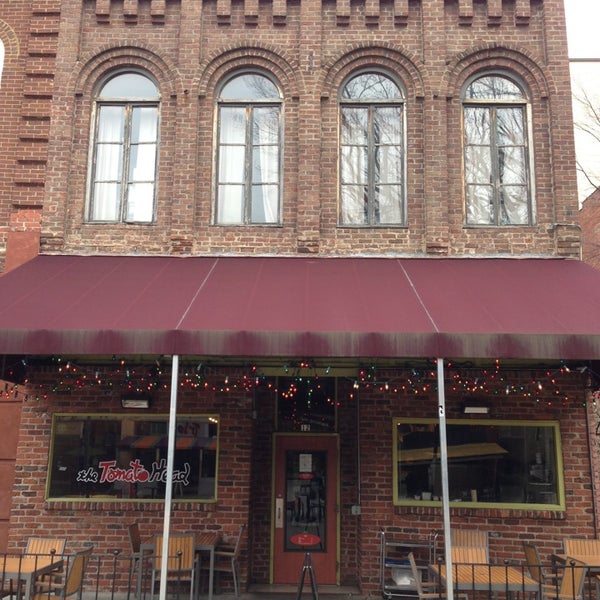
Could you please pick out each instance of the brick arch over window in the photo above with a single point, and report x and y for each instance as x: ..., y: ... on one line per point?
x: 225, y: 61
x: 11, y: 43
x: 384, y: 57
x: 110, y: 58
x: 494, y: 58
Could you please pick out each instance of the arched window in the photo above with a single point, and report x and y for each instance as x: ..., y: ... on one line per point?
x: 496, y: 154
x: 372, y: 181
x: 125, y: 151
x: 249, y: 151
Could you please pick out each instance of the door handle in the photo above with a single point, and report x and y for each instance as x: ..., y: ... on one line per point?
x: 279, y: 512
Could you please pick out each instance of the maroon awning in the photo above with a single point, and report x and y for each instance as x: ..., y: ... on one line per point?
x: 302, y: 306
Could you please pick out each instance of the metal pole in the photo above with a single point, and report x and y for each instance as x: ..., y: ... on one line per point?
x: 169, y: 481
x: 444, y: 469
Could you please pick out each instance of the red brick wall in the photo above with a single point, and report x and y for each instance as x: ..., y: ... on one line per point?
x: 29, y: 32
x: 188, y: 46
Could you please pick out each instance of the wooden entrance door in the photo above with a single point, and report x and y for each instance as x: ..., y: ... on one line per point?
x: 305, y: 507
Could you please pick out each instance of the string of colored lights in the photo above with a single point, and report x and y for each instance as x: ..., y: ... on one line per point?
x: 123, y: 376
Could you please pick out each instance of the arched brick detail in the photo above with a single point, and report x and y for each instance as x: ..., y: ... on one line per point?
x: 367, y: 56
x: 10, y: 40
x: 225, y: 60
x: 490, y: 57
x: 109, y: 58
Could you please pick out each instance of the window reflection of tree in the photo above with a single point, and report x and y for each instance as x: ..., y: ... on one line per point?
x: 496, y: 170
x: 371, y: 153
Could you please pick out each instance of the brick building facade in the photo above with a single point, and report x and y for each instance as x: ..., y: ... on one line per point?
x: 446, y: 72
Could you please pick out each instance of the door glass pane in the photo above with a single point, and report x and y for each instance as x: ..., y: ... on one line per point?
x: 305, y: 501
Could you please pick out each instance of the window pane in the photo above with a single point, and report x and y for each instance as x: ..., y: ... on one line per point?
x: 354, y: 164
x: 387, y: 125
x: 371, y: 86
x: 388, y: 165
x: 142, y: 163
x: 515, y: 205
x: 231, y: 164
x: 111, y: 124
x: 354, y: 205
x: 478, y: 164
x: 250, y: 86
x: 129, y: 86
x: 477, y: 125
x: 390, y: 204
x: 109, y: 161
x: 264, y: 204
x: 265, y: 125
x: 480, y: 205
x: 144, y: 125
x: 126, y: 457
x: 510, y: 126
x: 511, y: 165
x: 140, y: 202
x: 106, y: 205
x: 230, y: 203
x: 492, y: 87
x: 354, y: 126
x: 233, y: 125
x: 265, y: 164
x: 489, y: 462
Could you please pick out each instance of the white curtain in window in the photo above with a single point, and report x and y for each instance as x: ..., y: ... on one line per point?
x: 142, y: 165
x: 232, y: 161
x: 109, y: 161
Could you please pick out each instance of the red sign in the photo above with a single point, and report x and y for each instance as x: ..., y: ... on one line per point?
x: 305, y: 539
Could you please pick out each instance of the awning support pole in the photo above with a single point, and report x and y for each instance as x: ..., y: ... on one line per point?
x: 169, y: 481
x: 444, y: 470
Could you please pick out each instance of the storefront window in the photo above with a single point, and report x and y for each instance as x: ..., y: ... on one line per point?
x: 125, y: 457
x: 489, y: 462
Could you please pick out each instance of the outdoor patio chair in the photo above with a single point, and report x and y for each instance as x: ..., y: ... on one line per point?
x: 571, y: 583
x: 42, y: 546
x: 227, y: 560
x: 139, y: 562
x: 469, y: 555
x: 575, y: 546
x: 73, y: 580
x: 536, y: 570
x: 469, y: 537
x: 181, y: 562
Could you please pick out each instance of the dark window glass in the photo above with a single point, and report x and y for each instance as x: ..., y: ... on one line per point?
x: 125, y: 457
x: 489, y: 462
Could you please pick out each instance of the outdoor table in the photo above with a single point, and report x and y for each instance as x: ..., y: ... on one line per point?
x: 479, y: 577
x: 28, y: 568
x: 208, y: 542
